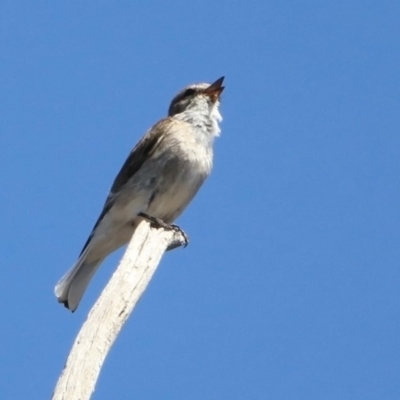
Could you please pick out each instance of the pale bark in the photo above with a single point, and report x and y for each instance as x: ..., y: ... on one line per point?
x: 112, y: 309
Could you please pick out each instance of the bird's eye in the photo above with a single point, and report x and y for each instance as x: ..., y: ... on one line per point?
x: 188, y: 92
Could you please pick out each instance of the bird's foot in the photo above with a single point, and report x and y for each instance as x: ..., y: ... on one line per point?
x: 159, y: 223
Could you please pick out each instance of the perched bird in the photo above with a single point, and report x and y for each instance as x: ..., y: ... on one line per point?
x: 160, y: 177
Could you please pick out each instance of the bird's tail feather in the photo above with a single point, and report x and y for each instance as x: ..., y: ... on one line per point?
x: 71, y: 287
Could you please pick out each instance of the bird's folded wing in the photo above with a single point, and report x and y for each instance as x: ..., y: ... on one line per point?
x: 140, y: 153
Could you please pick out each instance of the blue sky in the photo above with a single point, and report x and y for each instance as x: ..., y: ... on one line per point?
x: 290, y: 287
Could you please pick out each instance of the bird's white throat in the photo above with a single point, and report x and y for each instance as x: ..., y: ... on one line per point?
x: 205, y: 117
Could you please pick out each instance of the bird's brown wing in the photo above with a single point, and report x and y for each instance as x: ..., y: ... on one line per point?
x: 140, y: 153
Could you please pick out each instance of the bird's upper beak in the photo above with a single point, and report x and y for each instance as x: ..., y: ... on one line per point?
x: 215, y: 89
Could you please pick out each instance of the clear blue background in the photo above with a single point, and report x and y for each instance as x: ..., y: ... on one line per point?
x: 290, y: 288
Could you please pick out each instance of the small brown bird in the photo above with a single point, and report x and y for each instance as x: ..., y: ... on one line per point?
x: 160, y: 177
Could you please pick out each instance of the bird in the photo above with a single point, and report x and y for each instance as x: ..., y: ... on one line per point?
x: 159, y: 178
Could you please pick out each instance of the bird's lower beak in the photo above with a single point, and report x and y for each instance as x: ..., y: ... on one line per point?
x: 215, y: 89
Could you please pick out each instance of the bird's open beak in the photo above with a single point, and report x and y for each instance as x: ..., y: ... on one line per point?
x: 215, y: 89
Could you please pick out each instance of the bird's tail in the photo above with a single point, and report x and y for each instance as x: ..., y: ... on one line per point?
x: 71, y: 287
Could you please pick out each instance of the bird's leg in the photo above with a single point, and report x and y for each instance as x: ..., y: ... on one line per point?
x: 159, y: 223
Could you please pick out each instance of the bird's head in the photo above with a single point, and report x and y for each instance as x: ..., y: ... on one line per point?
x: 199, y: 95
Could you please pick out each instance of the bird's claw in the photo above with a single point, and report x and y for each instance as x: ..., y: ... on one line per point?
x: 159, y: 223
x: 178, y: 229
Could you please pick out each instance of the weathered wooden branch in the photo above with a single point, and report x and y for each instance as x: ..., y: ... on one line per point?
x: 112, y: 309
